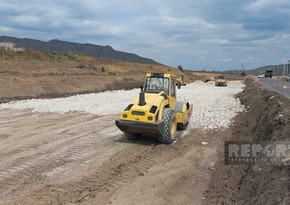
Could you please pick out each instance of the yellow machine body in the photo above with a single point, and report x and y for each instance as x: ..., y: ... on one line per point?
x: 149, y: 113
x: 221, y: 81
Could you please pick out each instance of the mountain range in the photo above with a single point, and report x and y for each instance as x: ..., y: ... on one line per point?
x: 106, y: 52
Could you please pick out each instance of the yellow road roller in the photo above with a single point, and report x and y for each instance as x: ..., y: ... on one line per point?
x: 156, y: 111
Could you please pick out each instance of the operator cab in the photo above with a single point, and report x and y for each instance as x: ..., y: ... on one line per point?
x: 157, y: 82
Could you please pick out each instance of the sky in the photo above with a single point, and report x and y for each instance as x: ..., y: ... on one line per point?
x: 199, y: 35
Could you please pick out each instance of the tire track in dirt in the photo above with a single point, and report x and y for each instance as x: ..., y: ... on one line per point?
x: 52, y: 150
x: 120, y: 169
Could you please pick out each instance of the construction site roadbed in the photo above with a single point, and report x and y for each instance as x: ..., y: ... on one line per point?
x: 69, y: 151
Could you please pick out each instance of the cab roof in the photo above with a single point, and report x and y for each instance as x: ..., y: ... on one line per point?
x: 161, y: 75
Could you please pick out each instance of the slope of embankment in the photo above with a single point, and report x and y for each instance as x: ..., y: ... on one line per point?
x: 267, y: 118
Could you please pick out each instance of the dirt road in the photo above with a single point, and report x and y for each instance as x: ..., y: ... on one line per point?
x: 63, y: 151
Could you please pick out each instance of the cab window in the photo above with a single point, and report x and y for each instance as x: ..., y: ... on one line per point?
x: 173, y: 88
x: 156, y: 84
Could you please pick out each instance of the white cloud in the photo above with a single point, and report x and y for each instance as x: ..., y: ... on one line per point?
x: 267, y: 4
x: 6, y: 29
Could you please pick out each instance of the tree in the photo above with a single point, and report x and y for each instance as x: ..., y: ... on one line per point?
x: 180, y: 67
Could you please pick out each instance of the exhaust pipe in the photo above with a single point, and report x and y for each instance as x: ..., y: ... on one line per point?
x: 141, y: 97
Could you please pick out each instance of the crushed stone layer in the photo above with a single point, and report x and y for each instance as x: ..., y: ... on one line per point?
x: 214, y: 107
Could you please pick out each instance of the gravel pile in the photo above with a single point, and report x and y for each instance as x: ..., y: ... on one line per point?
x: 214, y: 107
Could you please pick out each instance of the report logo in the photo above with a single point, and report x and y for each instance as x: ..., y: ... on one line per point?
x: 263, y: 153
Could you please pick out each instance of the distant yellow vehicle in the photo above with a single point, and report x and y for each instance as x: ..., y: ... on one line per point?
x: 180, y: 81
x: 221, y: 81
x: 156, y: 111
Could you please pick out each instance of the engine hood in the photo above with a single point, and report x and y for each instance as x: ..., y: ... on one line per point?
x: 150, y: 99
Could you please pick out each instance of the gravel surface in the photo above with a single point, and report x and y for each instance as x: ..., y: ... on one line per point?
x: 214, y: 107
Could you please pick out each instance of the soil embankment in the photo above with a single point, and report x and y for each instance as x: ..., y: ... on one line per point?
x: 25, y: 77
x: 266, y: 118
x: 26, y: 87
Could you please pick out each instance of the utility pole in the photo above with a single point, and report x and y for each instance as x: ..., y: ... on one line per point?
x: 284, y: 67
x: 286, y: 64
x: 244, y: 73
x: 287, y: 67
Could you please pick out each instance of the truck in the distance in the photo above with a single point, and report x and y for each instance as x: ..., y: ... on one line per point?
x: 268, y: 73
